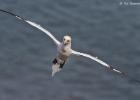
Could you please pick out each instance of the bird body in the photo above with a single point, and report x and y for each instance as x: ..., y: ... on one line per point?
x: 63, y: 52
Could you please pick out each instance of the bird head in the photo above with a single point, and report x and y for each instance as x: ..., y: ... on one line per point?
x: 67, y: 40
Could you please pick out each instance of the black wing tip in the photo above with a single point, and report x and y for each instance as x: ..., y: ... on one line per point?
x: 8, y: 12
x: 112, y: 68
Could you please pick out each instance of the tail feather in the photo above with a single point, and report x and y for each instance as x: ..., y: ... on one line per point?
x: 55, y: 68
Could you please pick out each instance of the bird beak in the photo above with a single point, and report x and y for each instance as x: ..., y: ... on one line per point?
x: 65, y: 43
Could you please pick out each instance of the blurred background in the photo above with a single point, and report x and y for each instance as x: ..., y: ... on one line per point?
x: 99, y: 27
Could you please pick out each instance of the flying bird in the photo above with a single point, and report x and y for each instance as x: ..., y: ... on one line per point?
x: 64, y: 50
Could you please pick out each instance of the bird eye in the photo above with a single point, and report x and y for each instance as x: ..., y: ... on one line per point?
x: 68, y: 40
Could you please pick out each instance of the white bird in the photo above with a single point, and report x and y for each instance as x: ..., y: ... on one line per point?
x: 64, y: 50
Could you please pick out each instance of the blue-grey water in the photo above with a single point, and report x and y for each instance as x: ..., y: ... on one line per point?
x: 99, y: 27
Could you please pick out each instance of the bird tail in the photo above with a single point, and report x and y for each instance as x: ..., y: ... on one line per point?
x: 55, y: 68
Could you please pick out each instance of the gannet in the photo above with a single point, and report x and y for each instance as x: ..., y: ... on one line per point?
x: 64, y: 50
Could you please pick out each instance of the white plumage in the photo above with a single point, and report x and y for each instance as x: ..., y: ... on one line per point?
x: 64, y: 49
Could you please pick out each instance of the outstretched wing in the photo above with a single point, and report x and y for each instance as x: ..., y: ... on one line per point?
x: 97, y: 60
x: 44, y: 30
x: 34, y: 25
x: 104, y: 64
